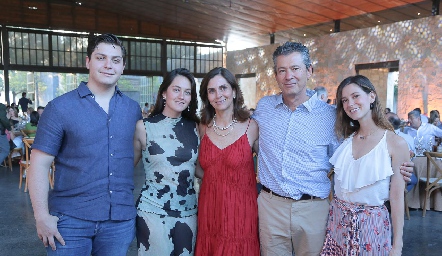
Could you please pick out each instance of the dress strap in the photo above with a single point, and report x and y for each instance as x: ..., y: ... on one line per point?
x: 248, y: 125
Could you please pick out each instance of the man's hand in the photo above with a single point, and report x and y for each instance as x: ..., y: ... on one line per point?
x: 406, y: 170
x: 47, y: 230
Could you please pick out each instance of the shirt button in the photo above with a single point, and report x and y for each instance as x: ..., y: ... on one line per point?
x: 110, y: 174
x: 112, y: 154
x: 110, y: 191
x: 111, y: 136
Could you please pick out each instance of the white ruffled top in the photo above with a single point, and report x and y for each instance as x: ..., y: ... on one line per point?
x: 365, y: 180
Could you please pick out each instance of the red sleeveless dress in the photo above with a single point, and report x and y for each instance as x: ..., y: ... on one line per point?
x: 227, y: 205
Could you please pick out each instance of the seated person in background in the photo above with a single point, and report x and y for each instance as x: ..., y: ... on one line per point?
x: 40, y: 110
x: 435, y: 118
x: 12, y: 115
x: 424, y: 118
x: 29, y: 111
x: 422, y: 133
x: 396, y: 122
x: 15, y: 135
x: 321, y: 93
x: 31, y: 127
x: 13, y: 105
x: 146, y: 110
x: 152, y: 106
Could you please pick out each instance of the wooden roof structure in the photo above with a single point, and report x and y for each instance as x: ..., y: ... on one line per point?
x: 251, y: 22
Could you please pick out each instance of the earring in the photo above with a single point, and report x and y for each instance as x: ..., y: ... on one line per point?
x: 371, y: 105
x: 164, y: 98
x: 188, y: 108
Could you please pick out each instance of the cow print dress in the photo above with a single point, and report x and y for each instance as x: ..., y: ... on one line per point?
x: 167, y: 206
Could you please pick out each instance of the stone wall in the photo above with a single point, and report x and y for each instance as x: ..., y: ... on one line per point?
x: 379, y: 78
x: 416, y: 44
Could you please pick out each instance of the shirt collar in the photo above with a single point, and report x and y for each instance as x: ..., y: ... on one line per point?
x: 308, y: 104
x: 84, y: 91
x: 312, y: 101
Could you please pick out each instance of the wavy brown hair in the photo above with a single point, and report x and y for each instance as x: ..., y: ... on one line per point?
x: 344, y: 125
x: 207, y: 111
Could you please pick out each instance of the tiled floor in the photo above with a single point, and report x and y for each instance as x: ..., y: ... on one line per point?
x: 422, y: 236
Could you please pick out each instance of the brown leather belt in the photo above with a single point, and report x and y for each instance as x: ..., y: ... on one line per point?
x: 303, y: 197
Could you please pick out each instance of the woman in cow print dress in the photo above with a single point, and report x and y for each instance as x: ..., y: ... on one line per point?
x: 167, y: 141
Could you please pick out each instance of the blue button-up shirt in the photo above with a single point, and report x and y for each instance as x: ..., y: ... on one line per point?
x: 295, y: 146
x: 94, y: 154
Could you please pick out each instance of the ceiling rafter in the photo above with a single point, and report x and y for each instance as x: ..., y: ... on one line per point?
x: 232, y: 21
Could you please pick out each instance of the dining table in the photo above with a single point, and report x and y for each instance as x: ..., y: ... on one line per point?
x: 416, y: 196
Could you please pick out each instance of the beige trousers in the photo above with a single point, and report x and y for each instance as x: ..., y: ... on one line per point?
x: 288, y: 227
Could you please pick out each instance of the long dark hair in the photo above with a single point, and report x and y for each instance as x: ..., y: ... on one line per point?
x: 207, y: 111
x: 189, y: 113
x: 344, y: 125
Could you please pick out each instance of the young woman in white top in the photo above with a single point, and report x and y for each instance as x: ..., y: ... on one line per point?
x: 366, y: 175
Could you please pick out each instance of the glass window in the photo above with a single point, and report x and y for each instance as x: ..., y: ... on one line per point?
x: 67, y: 49
x: 208, y: 57
x: 143, y: 55
x: 27, y: 48
x: 180, y: 56
x: 42, y: 87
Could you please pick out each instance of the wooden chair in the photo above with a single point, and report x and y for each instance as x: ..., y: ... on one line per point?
x: 25, y: 135
x: 431, y: 183
x: 8, y: 160
x: 24, y: 165
x: 25, y: 162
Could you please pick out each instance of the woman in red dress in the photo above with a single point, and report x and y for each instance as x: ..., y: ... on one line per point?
x: 227, y: 206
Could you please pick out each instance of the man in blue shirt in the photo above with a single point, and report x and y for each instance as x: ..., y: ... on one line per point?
x: 23, y: 102
x: 296, y: 141
x: 89, y: 133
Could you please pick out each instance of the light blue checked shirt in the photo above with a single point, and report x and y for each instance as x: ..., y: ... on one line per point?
x: 295, y: 146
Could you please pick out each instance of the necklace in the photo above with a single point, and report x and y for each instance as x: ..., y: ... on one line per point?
x: 216, y: 128
x: 363, y: 137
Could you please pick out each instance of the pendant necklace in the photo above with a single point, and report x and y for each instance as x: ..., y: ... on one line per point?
x: 216, y: 128
x: 363, y: 137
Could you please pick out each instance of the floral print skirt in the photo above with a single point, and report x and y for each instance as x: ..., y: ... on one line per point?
x: 354, y: 229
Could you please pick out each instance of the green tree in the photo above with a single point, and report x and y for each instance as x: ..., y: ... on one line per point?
x: 17, y: 83
x: 126, y: 84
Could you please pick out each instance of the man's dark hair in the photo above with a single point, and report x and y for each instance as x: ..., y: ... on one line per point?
x: 108, y: 39
x: 418, y: 110
x: 40, y: 107
x: 23, y: 94
x: 395, y: 121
